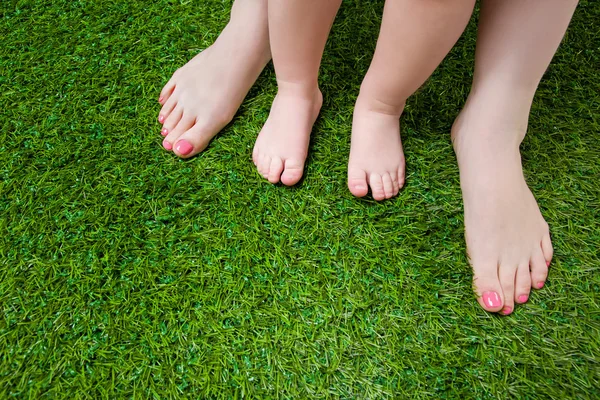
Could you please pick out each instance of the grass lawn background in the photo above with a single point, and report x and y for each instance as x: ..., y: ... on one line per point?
x: 129, y: 273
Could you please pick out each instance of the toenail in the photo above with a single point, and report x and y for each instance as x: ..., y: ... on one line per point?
x: 161, y: 118
x: 491, y: 299
x: 506, y: 310
x: 183, y: 147
x: 523, y: 298
x: 167, y: 145
x: 160, y: 99
x: 164, y: 132
x: 547, y: 263
x: 540, y: 285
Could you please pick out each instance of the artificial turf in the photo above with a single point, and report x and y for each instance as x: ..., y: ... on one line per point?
x: 129, y: 273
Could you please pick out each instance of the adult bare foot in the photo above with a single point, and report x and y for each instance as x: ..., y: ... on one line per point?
x: 282, y: 145
x: 508, y: 240
x: 203, y: 96
x: 376, y: 156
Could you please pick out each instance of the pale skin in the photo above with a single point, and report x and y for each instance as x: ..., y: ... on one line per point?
x: 298, y: 31
x: 508, y: 241
x: 203, y: 96
x: 415, y: 36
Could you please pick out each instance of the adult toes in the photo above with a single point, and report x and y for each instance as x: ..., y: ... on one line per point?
x: 487, y: 285
x: 376, y: 184
x: 194, y: 140
x: 172, y: 121
x: 166, y: 91
x: 275, y: 170
x: 166, y: 109
x: 539, y: 269
x: 522, y: 283
x: 507, y: 275
x: 292, y: 173
x: 357, y: 182
x: 185, y: 123
x: 547, y: 248
x: 388, y: 186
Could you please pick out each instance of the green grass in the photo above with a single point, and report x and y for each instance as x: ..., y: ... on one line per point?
x: 128, y: 273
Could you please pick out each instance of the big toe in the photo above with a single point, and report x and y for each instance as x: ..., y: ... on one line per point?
x: 193, y: 141
x: 292, y: 172
x: 487, y: 286
x: 357, y: 182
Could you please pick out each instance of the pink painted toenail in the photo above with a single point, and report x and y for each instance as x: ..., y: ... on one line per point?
x: 547, y: 263
x: 161, y: 118
x: 540, y: 285
x: 184, y: 147
x: 160, y: 99
x: 164, y: 132
x: 491, y: 299
x: 523, y: 298
x: 167, y: 145
x: 506, y: 310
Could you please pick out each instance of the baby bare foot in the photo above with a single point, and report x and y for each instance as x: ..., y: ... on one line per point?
x: 508, y: 240
x: 203, y: 96
x: 376, y: 156
x: 282, y: 145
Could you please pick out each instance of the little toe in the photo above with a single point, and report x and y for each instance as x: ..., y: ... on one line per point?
x: 395, y: 184
x: 264, y: 163
x: 292, y: 173
x: 547, y: 248
x: 539, y: 269
x: 388, y: 187
x: 487, y: 286
x: 275, y: 170
x: 357, y: 182
x: 507, y: 275
x: 260, y: 162
x: 401, y: 177
x: 376, y: 184
x: 522, y: 284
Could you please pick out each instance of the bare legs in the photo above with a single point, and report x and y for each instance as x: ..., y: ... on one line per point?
x: 204, y: 95
x: 508, y: 240
x: 298, y: 31
x: 415, y: 37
